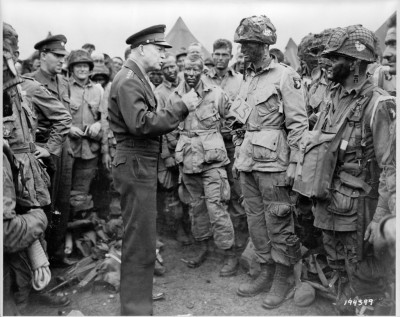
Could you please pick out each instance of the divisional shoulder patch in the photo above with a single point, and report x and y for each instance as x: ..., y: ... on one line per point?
x: 296, y: 82
x: 129, y: 74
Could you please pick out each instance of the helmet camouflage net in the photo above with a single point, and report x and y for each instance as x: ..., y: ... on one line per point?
x: 79, y: 56
x: 353, y: 41
x: 257, y: 29
x: 304, y: 53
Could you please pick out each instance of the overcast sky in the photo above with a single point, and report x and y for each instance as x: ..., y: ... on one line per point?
x: 107, y: 24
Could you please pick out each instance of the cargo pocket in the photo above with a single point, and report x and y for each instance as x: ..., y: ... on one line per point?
x: 265, y: 145
x: 280, y: 210
x: 344, y: 199
x: 214, y: 148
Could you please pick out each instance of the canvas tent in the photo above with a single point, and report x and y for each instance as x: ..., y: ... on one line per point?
x: 291, y: 54
x: 180, y: 36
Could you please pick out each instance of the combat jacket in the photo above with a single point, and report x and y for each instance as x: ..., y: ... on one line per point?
x: 365, y: 148
x: 201, y: 146
x: 273, y: 99
x: 18, y: 131
x: 49, y: 113
x: 132, y: 108
x: 57, y: 85
x: 19, y: 231
x: 230, y: 84
x: 85, y: 102
x: 169, y: 140
x: 108, y: 143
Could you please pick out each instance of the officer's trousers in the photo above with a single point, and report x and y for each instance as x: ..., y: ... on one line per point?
x: 269, y: 214
x: 134, y: 170
x: 209, y: 191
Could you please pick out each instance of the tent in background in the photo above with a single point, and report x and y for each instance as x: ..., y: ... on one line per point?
x: 180, y: 36
x: 291, y: 54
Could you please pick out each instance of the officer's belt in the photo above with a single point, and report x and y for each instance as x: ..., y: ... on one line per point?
x: 27, y: 148
x: 145, y: 144
x: 194, y: 133
x: 266, y: 127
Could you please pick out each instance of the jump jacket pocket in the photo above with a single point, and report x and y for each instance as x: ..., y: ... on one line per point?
x: 208, y: 116
x: 344, y: 200
x: 267, y: 100
x: 265, y: 146
x: 214, y: 148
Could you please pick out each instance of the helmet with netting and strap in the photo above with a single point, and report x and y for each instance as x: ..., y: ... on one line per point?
x: 258, y: 29
x: 354, y: 41
x: 307, y: 58
x: 79, y: 56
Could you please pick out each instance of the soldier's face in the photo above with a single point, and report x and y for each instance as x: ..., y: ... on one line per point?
x: 389, y: 55
x: 169, y: 69
x: 117, y: 64
x: 80, y: 71
x: 192, y: 73
x: 52, y: 62
x: 253, y: 52
x: 221, y: 57
x: 153, y: 55
x: 180, y: 62
x: 156, y: 77
x: 339, y: 70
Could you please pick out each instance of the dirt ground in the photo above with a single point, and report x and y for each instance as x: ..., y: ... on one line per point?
x: 187, y: 291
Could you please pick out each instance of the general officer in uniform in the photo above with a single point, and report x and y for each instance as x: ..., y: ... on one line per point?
x: 52, y: 55
x: 271, y: 105
x: 137, y: 128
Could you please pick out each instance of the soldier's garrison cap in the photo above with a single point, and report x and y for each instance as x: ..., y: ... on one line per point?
x: 151, y: 35
x: 54, y: 44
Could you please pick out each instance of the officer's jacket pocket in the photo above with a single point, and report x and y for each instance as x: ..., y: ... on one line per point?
x: 118, y: 160
x: 208, y: 116
x: 267, y: 100
x: 265, y: 146
x: 344, y: 200
x: 214, y: 147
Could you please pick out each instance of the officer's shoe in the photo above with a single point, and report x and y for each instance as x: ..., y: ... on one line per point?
x: 262, y: 283
x: 280, y: 287
x: 200, y: 257
x: 231, y: 264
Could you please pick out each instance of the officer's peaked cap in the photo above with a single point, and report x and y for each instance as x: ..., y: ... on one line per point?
x: 151, y: 35
x: 54, y: 44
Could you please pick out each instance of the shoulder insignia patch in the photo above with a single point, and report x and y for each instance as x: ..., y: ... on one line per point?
x: 297, y: 82
x: 129, y: 74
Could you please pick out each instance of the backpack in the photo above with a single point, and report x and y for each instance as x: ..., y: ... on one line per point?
x: 320, y: 150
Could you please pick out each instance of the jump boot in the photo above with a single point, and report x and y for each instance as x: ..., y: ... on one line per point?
x: 279, y: 288
x: 231, y: 263
x: 260, y: 284
x: 181, y: 235
x: 201, y: 255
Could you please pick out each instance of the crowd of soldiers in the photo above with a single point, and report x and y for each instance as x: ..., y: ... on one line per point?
x: 294, y: 162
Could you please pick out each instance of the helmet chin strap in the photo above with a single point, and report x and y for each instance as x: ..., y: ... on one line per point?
x: 356, y: 71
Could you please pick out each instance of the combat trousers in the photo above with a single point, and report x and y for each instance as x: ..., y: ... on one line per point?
x: 235, y: 208
x: 83, y: 173
x: 134, y: 170
x: 209, y: 191
x: 61, y: 181
x: 368, y: 276
x: 269, y: 214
